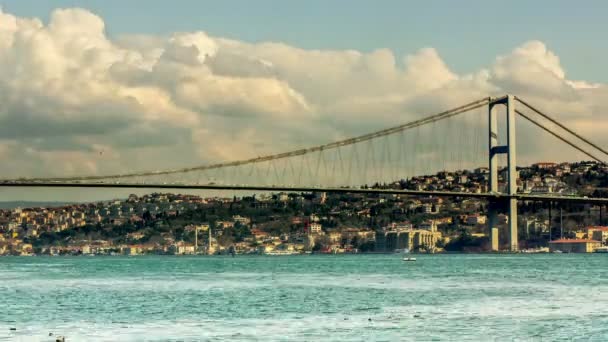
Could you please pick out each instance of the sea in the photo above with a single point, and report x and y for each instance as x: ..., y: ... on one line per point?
x: 440, y: 297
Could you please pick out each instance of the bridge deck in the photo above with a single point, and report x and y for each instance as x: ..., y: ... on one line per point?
x: 493, y: 196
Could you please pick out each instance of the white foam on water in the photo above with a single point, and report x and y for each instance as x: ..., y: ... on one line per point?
x: 156, y: 285
x: 305, y: 328
x: 452, y: 322
x: 207, y: 281
x: 565, y: 312
x: 202, y: 281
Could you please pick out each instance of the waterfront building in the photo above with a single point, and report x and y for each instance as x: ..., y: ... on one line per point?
x: 411, y: 239
x: 598, y: 234
x: 574, y: 245
x: 132, y: 250
x: 184, y: 249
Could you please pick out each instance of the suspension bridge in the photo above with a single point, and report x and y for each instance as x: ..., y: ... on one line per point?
x: 449, y: 140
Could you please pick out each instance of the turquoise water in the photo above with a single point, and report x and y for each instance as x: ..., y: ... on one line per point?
x: 306, y: 298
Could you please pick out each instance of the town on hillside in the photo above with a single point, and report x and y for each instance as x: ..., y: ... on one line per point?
x: 300, y: 223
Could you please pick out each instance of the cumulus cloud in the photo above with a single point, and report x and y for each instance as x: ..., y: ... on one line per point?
x: 69, y: 92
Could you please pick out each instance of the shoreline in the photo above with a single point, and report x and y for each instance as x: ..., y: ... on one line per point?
x: 281, y: 255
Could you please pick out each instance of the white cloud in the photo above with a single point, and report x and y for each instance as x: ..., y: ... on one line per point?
x: 66, y: 89
x: 427, y: 71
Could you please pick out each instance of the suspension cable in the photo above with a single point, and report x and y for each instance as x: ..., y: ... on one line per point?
x: 580, y: 149
x: 366, y: 137
x: 561, y: 125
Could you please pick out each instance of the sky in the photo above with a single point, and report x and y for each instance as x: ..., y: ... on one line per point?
x: 94, y: 87
x: 467, y: 35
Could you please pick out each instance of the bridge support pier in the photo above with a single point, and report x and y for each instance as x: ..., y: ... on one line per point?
x: 509, y: 149
x: 513, y: 239
x: 492, y: 221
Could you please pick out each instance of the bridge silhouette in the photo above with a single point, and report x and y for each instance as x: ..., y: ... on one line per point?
x: 361, y: 164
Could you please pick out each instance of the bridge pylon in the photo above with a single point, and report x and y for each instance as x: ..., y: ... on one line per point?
x: 494, y: 149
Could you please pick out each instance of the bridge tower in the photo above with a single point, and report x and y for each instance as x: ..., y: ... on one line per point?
x: 510, y: 150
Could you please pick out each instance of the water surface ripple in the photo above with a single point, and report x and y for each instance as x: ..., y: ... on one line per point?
x: 306, y: 298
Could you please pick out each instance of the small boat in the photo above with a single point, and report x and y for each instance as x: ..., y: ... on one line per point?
x: 407, y: 258
x: 281, y: 252
x: 603, y: 249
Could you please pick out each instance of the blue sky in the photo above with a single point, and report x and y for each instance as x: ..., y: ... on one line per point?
x: 467, y: 34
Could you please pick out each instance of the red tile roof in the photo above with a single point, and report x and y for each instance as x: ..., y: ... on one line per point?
x: 598, y: 228
x: 257, y: 232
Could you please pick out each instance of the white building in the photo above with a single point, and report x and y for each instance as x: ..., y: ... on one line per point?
x: 476, y: 219
x: 399, y: 226
x: 428, y: 225
x: 242, y: 220
x: 283, y: 197
x: 315, y: 228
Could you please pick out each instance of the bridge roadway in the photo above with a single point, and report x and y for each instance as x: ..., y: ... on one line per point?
x: 488, y: 196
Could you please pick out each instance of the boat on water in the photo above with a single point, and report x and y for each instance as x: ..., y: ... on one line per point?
x: 406, y: 257
x: 280, y: 252
x: 535, y: 250
x: 603, y: 249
